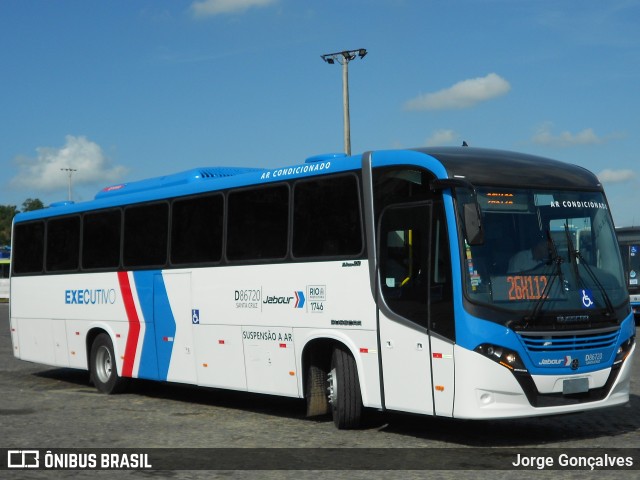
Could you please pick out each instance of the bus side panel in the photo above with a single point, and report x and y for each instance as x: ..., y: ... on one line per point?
x: 36, y: 337
x: 270, y: 360
x: 76, y: 343
x: 60, y: 349
x: 73, y: 305
x: 177, y: 288
x: 144, y: 300
x: 36, y: 340
x: 15, y: 338
x: 268, y: 305
x: 220, y: 356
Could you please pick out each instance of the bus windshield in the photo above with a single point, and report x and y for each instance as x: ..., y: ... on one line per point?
x: 544, y: 251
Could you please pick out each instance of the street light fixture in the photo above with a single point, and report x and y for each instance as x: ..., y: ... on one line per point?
x: 69, y: 173
x: 343, y: 58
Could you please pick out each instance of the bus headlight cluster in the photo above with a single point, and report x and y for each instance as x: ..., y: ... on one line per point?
x: 505, y: 357
x: 624, y: 349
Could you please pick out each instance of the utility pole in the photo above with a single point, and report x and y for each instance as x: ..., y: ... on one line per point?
x: 69, y: 173
x: 343, y: 58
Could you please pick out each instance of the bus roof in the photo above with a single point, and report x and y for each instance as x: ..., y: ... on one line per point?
x: 476, y: 165
x: 482, y: 166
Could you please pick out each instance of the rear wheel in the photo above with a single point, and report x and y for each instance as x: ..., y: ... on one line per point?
x: 344, y: 390
x: 316, y: 391
x: 104, y: 373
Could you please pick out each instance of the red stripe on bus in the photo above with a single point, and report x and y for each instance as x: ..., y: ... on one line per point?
x: 134, y: 324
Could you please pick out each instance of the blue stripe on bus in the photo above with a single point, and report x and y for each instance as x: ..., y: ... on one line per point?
x: 160, y: 327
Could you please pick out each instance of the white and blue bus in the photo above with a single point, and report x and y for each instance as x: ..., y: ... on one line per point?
x: 381, y: 280
x: 629, y: 240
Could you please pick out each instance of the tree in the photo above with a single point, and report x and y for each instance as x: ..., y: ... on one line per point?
x: 32, y: 204
x: 7, y: 212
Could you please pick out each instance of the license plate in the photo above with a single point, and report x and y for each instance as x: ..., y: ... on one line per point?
x: 575, y: 385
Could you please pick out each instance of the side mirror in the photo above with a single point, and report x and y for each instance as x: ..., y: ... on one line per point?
x: 473, y: 224
x: 470, y: 209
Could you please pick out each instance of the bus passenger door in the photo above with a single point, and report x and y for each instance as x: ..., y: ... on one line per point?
x: 414, y: 282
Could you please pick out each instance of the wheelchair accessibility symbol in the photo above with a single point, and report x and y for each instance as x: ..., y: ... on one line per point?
x: 195, y: 317
x: 587, y: 299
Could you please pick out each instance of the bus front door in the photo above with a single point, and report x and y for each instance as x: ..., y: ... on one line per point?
x: 414, y: 283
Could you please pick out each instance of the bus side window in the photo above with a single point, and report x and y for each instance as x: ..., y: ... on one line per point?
x: 101, y: 239
x: 28, y: 252
x: 258, y: 223
x: 145, y: 235
x: 63, y: 244
x: 326, y: 217
x: 196, y: 229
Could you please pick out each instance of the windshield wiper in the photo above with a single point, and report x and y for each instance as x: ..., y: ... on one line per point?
x: 574, y: 256
x: 556, y: 260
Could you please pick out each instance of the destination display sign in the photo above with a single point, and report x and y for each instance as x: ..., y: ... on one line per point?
x: 504, y: 200
x: 521, y: 288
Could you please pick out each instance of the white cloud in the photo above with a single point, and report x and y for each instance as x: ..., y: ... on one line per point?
x: 208, y: 8
x: 544, y: 136
x: 464, y: 94
x: 441, y: 137
x: 615, y: 176
x: 45, y: 172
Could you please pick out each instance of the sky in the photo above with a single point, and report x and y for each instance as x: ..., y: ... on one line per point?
x: 101, y: 92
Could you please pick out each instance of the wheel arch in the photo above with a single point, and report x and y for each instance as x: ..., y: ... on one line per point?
x: 318, y: 350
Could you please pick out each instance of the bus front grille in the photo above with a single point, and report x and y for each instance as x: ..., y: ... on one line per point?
x: 556, y: 342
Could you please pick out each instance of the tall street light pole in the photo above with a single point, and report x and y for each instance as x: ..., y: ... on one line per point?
x: 343, y: 58
x: 69, y: 173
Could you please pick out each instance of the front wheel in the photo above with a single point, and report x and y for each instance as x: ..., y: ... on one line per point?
x: 344, y: 390
x: 104, y: 373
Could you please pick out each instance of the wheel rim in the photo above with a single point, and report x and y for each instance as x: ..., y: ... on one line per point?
x: 104, y: 364
x: 332, y: 388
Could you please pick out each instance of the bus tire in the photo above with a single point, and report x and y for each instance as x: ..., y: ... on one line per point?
x: 315, y: 391
x: 104, y: 373
x: 344, y: 390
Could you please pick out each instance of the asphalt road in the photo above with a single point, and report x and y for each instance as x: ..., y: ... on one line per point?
x: 51, y: 408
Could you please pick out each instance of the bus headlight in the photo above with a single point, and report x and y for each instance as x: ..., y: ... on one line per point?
x: 623, y: 350
x: 505, y: 357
